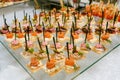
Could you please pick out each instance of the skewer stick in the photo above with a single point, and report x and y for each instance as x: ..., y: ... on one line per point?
x: 106, y: 28
x: 26, y: 46
x: 47, y: 53
x: 50, y: 21
x: 59, y: 27
x: 86, y: 36
x: 15, y: 24
x: 90, y: 2
x: 68, y: 50
x: 24, y: 13
x: 31, y: 25
x: 39, y: 43
x: 73, y: 40
x: 36, y: 4
x: 100, y: 34
x: 39, y: 19
x: 70, y: 35
x: 28, y: 33
x: 15, y: 32
x: 44, y: 33
x: 89, y: 27
x: 54, y: 43
x: 67, y: 7
x: 102, y: 16
x: 3, y: 16
x: 63, y: 18
x: 78, y: 5
x: 20, y: 27
x: 61, y: 3
x: 73, y: 44
x: 73, y: 27
x: 56, y: 34
x: 6, y: 24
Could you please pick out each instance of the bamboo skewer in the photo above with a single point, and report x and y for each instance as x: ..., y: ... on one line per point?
x: 61, y: 3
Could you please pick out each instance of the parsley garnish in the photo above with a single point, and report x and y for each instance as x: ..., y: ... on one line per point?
x: 80, y: 53
x: 31, y: 50
x: 108, y: 40
x: 88, y: 46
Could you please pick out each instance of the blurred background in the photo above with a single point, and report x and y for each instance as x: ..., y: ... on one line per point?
x: 73, y: 3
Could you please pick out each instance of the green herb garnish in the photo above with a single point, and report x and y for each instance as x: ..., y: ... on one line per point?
x: 80, y: 53
x: 109, y: 41
x: 56, y: 51
x: 74, y: 49
x: 41, y: 51
x: 75, y: 67
x: 88, y: 46
x: 34, y: 20
x: 31, y: 50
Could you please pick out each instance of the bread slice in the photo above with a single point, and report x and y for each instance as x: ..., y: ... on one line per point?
x: 35, y: 69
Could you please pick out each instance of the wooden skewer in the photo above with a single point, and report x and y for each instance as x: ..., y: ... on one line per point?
x: 67, y: 7
x: 68, y: 50
x: 36, y: 4
x: 61, y: 3
x: 70, y: 35
x: 106, y: 28
x: 44, y: 33
x: 24, y: 13
x: 54, y: 43
x: 90, y: 2
x: 39, y: 20
x: 20, y: 27
x: 73, y: 40
x: 28, y: 33
x: 15, y: 24
x: 39, y: 43
x: 26, y: 47
x: 59, y: 27
x: 47, y: 53
x: 100, y: 34
x: 56, y: 34
x: 86, y: 36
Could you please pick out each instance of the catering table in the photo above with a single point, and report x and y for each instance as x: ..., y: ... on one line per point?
x: 106, y: 69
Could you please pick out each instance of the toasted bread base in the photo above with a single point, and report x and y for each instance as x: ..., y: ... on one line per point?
x: 52, y: 73
x: 61, y: 49
x: 84, y: 51
x: 34, y: 38
x: 79, y: 39
x: 29, y: 55
x: 97, y: 51
x: 69, y: 71
x: 93, y: 40
x: 63, y: 39
x: 58, y: 61
x: 55, y: 72
x: 9, y: 39
x: 34, y: 69
x: 16, y: 47
x: 78, y: 57
x: 40, y: 57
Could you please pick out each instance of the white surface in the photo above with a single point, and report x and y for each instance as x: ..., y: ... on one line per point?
x: 106, y: 69
x: 9, y: 68
x: 12, y: 73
